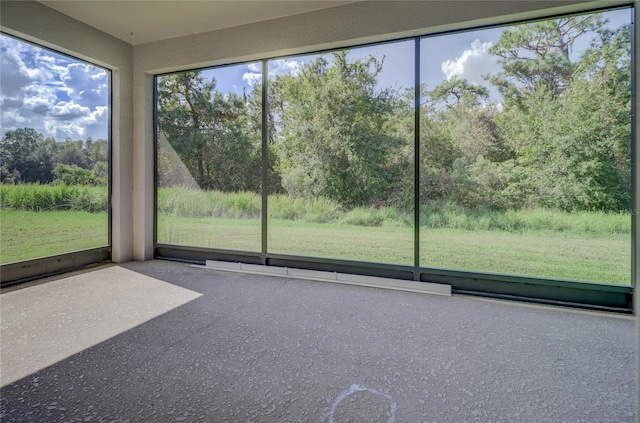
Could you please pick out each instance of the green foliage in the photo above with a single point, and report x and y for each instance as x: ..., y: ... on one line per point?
x: 209, y: 131
x: 335, y: 135
x: 573, y: 150
x: 461, y: 90
x: 316, y: 210
x: 536, y: 56
x: 560, y: 139
x: 189, y: 202
x: 438, y: 215
x: 75, y: 175
x: 36, y: 197
x: 184, y: 202
x: 27, y: 157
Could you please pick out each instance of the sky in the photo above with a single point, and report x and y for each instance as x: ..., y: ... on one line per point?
x: 58, y: 96
x: 62, y: 97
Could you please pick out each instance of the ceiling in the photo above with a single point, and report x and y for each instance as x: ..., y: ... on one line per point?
x: 139, y: 22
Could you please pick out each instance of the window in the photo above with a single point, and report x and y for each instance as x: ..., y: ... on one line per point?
x: 525, y: 149
x: 209, y: 158
x: 341, y: 144
x: 520, y: 169
x: 54, y: 171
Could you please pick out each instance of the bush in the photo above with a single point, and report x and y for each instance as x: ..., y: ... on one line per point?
x: 363, y: 217
x: 75, y: 175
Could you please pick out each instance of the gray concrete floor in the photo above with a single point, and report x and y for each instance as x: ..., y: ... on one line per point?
x: 167, y: 342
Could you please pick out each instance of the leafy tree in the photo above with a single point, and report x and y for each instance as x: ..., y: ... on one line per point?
x: 26, y: 157
x: 461, y: 90
x: 537, y: 56
x: 97, y: 151
x: 574, y: 146
x: 72, y: 153
x: 335, y: 132
x: 469, y: 120
x: 210, y: 132
x: 458, y: 128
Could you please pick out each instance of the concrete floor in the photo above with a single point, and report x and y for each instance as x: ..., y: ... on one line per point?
x: 167, y: 342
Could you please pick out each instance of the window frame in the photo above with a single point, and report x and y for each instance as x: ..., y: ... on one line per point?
x: 523, y: 288
x: 38, y: 267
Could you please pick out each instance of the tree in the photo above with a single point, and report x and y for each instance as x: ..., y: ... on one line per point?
x: 72, y: 153
x: 335, y: 132
x: 26, y: 157
x: 209, y: 131
x: 469, y: 120
x: 537, y: 56
x: 75, y: 175
x: 571, y: 134
x: 464, y: 92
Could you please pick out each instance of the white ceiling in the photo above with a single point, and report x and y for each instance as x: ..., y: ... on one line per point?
x: 139, y: 22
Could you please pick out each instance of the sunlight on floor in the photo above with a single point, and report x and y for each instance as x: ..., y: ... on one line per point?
x: 48, y: 322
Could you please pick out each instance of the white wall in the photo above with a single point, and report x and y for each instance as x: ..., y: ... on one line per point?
x: 37, y: 23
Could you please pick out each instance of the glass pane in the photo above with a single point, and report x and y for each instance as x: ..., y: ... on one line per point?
x: 525, y: 149
x: 54, y: 153
x: 341, y: 152
x: 209, y: 158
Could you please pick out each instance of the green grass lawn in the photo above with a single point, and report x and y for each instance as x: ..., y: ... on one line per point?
x: 545, y: 254
x: 27, y: 235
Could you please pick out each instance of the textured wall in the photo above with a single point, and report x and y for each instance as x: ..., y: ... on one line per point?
x: 336, y: 27
x: 33, y: 21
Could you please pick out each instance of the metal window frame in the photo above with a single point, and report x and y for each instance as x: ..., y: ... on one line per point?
x: 582, y: 294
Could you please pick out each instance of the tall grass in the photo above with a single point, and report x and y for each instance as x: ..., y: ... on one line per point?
x: 585, y: 223
x: 192, y: 203
x: 36, y: 197
x: 189, y: 202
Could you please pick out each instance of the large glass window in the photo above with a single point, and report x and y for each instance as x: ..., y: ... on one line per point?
x: 524, y: 152
x: 54, y: 153
x: 209, y: 158
x: 525, y: 149
x: 342, y: 149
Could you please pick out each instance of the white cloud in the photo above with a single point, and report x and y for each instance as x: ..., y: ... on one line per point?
x: 15, y: 76
x: 68, y: 111
x: 473, y: 63
x: 57, y: 96
x: 99, y: 116
x: 70, y: 130
x: 252, y: 78
x: 41, y: 99
x: 12, y: 119
x: 276, y: 67
x: 284, y: 66
x: 253, y: 75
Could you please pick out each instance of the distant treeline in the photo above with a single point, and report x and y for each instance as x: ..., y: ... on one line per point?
x: 559, y: 138
x: 26, y: 156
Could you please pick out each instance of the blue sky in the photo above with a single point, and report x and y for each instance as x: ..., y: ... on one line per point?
x: 61, y: 97
x: 464, y: 54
